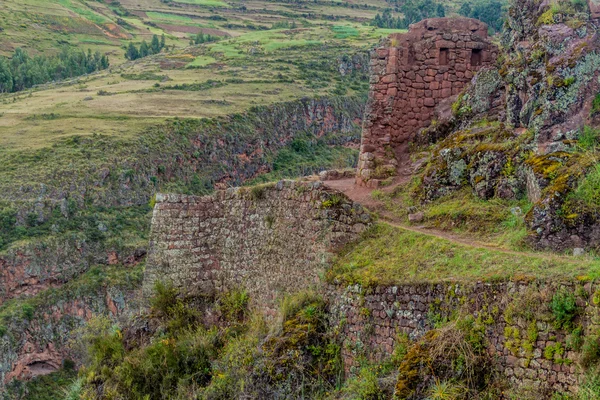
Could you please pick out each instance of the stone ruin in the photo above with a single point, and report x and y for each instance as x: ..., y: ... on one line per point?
x: 411, y: 73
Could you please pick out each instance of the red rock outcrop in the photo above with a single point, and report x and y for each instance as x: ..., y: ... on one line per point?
x: 594, y: 8
x: 411, y: 73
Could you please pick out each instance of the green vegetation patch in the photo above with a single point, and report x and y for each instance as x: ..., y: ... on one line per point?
x: 207, y: 3
x: 87, y: 13
x: 344, y: 31
x: 233, y: 358
x: 202, y: 61
x: 387, y: 255
x: 168, y: 17
x: 588, y: 190
x: 45, y: 387
x: 307, y: 155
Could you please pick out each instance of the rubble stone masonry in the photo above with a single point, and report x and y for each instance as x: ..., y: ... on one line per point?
x: 270, y: 239
x: 411, y: 73
x: 520, y: 333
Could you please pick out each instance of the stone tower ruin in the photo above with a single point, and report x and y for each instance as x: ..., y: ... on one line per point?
x: 411, y: 73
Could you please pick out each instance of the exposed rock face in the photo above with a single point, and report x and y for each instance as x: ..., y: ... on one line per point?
x: 552, y: 79
x: 26, y: 271
x: 411, y: 74
x: 38, y: 343
x: 269, y: 240
x: 594, y: 8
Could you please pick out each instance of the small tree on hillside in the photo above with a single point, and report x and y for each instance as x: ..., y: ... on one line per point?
x: 132, y: 52
x: 6, y: 79
x: 144, y: 49
x: 155, y: 45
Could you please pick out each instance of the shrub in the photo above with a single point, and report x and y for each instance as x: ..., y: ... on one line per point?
x: 292, y: 304
x: 453, y: 353
x: 234, y: 305
x: 302, y: 356
x: 564, y: 309
x: 589, y: 138
x: 445, y: 390
x: 554, y: 352
x: 257, y: 193
x: 73, y: 392
x: 588, y: 190
x: 595, y: 105
x: 575, y: 339
x: 167, y: 305
x: 28, y: 311
x: 165, y: 297
x: 590, y: 350
x: 334, y: 200
x: 101, y: 345
x: 364, y: 386
x: 45, y: 387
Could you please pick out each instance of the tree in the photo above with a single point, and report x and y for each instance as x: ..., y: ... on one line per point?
x: 465, y: 10
x: 132, y: 52
x: 199, y: 38
x: 162, y: 41
x: 144, y: 50
x: 6, y: 79
x: 104, y: 63
x: 155, y: 45
x: 23, y: 72
x: 441, y: 11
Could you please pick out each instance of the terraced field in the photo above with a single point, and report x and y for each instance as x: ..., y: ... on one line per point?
x: 250, y: 65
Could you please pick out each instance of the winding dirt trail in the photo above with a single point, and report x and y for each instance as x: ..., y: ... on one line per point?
x: 363, y: 196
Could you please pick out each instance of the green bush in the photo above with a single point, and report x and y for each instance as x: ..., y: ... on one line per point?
x: 588, y: 190
x: 589, y: 138
x: 590, y: 350
x: 564, y: 309
x: 234, y: 305
x: 334, y: 200
x: 171, y: 308
x: 46, y: 387
x: 292, y: 304
x: 595, y: 105
x: 364, y: 386
x: 168, y: 365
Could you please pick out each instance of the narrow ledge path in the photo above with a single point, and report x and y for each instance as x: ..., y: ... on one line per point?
x: 363, y: 196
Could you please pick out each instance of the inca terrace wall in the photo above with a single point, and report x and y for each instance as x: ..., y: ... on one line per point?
x: 269, y: 239
x: 371, y: 319
x: 411, y: 74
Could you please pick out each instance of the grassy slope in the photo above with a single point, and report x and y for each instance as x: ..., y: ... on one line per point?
x: 388, y: 255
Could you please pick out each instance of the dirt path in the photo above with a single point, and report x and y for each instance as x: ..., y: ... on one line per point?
x: 363, y: 196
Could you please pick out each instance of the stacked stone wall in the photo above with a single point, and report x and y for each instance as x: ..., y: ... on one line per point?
x: 372, y: 319
x: 411, y: 74
x: 270, y: 240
